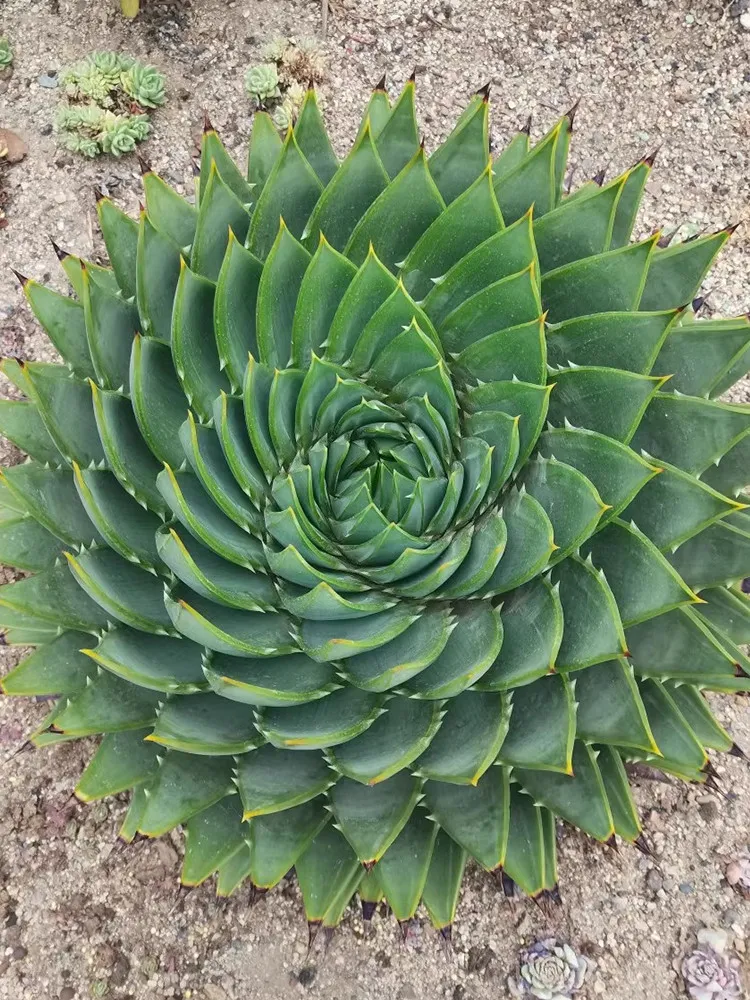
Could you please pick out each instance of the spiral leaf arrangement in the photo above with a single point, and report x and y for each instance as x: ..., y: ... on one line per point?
x: 405, y: 518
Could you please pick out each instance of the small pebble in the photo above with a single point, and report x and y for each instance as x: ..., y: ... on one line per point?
x: 686, y: 888
x: 745, y: 20
x: 19, y: 952
x: 67, y: 993
x: 48, y: 81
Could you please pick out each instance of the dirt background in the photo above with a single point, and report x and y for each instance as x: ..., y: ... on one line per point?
x: 80, y: 917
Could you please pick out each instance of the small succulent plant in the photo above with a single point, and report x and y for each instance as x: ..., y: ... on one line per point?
x: 710, y: 973
x: 281, y: 82
x: 6, y: 53
x: 738, y: 874
x: 549, y: 971
x: 108, y: 92
x: 262, y: 82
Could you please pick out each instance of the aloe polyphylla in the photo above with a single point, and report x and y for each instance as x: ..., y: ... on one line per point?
x: 381, y: 511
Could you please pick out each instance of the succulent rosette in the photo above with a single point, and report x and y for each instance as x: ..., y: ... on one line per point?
x: 380, y: 510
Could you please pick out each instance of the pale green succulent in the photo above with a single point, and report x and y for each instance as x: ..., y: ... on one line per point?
x: 145, y: 85
x: 262, y: 82
x: 454, y: 528
x: 273, y: 51
x: 6, y: 53
x: 90, y: 130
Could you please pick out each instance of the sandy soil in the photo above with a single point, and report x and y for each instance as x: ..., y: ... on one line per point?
x: 80, y: 917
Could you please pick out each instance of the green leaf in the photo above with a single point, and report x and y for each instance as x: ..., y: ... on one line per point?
x: 122, y: 761
x: 402, y: 870
x: 56, y: 668
x: 443, y: 884
x: 577, y: 228
x: 607, y: 282
x: 469, y: 738
x: 231, y: 428
x: 220, y: 211
x: 506, y: 253
x: 280, y: 840
x: 168, y: 211
x: 25, y: 544
x: 524, y: 861
x: 542, y: 726
x: 312, y: 138
x: 475, y: 816
x: 642, y: 581
x: 729, y: 612
x: 682, y: 754
x: 676, y: 273
x: 396, y: 661
x: 64, y: 404
x: 593, y: 629
x: 464, y: 155
x: 514, y: 152
x: 338, y: 640
x: 233, y: 872
x: 193, y: 507
x: 690, y: 433
x: 324, y: 723
x: 327, y: 869
x: 372, y: 816
x: 617, y: 472
x: 378, y: 110
x: 529, y: 544
x: 111, y: 324
x: 570, y: 501
x: 157, y: 662
x: 718, y: 555
x: 21, y: 423
x: 121, y: 521
x: 579, y: 798
x: 214, y: 156
x: 194, y: 350
x: 278, y: 291
x: 391, y: 743
x: 506, y: 303
x: 290, y: 193
x: 606, y: 400
x: 484, y: 553
x: 469, y: 653
x: 398, y: 139
x: 610, y: 709
x: 517, y: 399
x: 129, y: 593
x: 675, y: 506
x: 518, y: 351
x: 370, y: 288
x: 64, y: 323
x: 264, y: 151
x: 185, y: 784
x: 107, y: 704
x: 399, y: 215
x: 471, y: 219
x: 235, y: 310
x: 278, y: 681
x: 617, y: 790
x: 49, y: 495
x: 532, y: 620
x: 629, y: 203
x: 678, y: 644
x: 695, y: 710
x: 211, y: 838
x: 532, y: 182
x: 126, y: 452
x: 321, y: 291
x: 54, y: 596
x: 120, y: 234
x: 228, y: 630
x: 730, y: 475
x: 272, y: 781
x: 157, y: 273
x: 696, y: 355
x: 206, y: 724
x: 159, y: 403
x: 624, y: 340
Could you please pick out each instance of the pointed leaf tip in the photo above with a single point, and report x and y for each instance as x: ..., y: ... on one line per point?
x: 59, y: 252
x: 527, y: 127
x: 207, y: 126
x: 731, y: 229
x: 143, y: 164
x: 484, y: 92
x: 413, y: 77
x: 99, y: 195
x: 380, y: 85
x: 599, y: 176
x: 571, y: 115
x: 651, y: 158
x: 23, y: 280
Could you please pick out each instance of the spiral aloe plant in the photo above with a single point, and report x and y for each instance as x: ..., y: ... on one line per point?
x: 380, y: 511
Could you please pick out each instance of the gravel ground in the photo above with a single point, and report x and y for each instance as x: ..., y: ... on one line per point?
x: 80, y: 917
